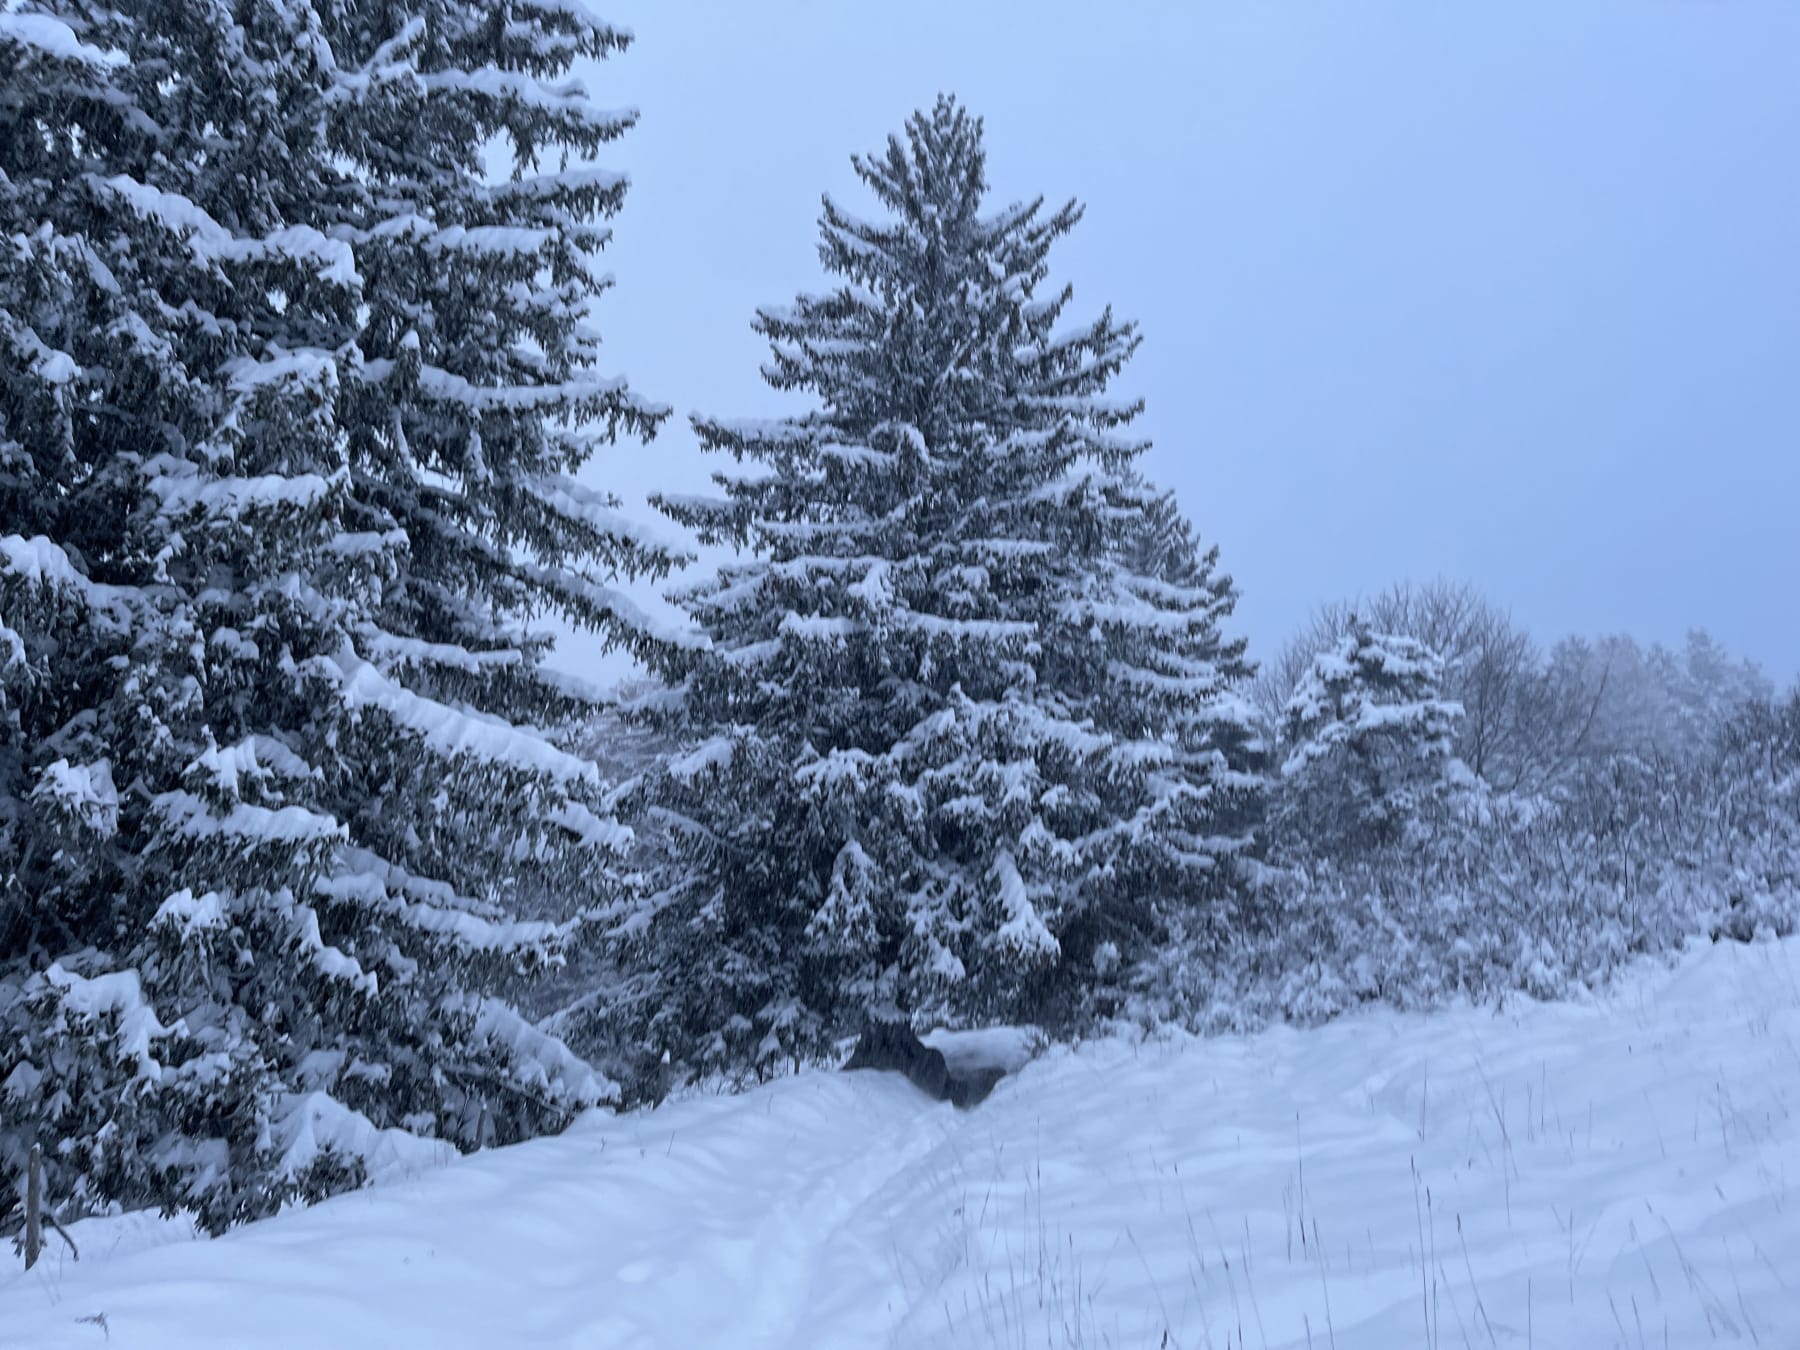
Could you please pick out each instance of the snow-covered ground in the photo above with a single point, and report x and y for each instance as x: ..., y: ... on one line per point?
x: 1615, y: 1175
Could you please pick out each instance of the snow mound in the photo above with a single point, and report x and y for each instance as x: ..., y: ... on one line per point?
x: 1007, y: 1049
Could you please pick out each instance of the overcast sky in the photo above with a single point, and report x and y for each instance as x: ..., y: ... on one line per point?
x: 1506, y: 292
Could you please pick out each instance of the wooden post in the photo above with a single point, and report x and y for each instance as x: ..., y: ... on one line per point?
x: 34, y: 1206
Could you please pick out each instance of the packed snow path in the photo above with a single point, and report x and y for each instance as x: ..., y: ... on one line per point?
x: 1617, y: 1175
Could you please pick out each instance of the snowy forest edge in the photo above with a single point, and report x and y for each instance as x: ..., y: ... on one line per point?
x: 308, y: 857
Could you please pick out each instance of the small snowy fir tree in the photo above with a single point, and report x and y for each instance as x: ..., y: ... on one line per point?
x: 959, y: 739
x: 1368, y: 743
x: 292, y: 400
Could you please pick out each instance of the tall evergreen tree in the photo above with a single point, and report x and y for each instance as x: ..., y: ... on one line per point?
x: 955, y: 742
x: 293, y: 401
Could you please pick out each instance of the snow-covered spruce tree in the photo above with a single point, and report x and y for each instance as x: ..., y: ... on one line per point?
x: 73, y: 600
x: 1368, y: 742
x: 1219, y: 736
x: 291, y: 401
x: 956, y: 744
x: 1164, y: 550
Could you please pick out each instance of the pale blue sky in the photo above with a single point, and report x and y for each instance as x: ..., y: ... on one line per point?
x: 1508, y: 292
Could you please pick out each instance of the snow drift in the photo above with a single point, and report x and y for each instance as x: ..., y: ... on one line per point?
x: 1615, y: 1174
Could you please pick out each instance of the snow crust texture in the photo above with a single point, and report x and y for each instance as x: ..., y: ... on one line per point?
x: 1618, y: 1174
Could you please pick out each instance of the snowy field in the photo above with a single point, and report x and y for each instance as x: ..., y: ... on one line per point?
x: 1615, y: 1175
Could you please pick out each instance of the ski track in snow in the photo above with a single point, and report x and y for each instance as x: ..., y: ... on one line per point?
x: 1548, y: 1176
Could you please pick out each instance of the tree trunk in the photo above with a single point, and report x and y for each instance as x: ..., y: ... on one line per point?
x: 34, y: 1206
